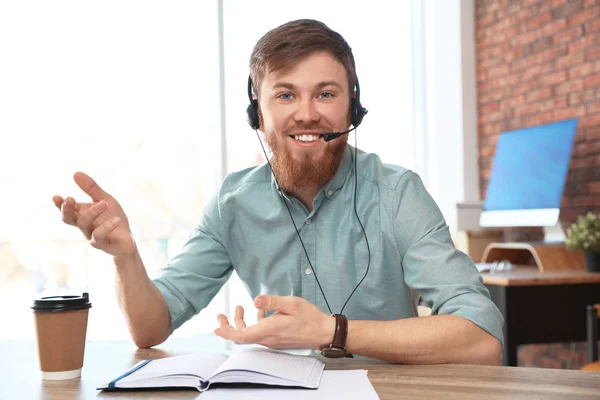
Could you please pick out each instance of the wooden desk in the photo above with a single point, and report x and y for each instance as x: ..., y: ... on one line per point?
x: 542, y: 307
x: 20, y: 379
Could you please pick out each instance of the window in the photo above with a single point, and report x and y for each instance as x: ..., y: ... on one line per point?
x: 128, y: 93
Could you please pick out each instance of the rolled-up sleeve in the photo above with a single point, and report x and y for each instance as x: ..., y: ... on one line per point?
x: 192, y: 278
x: 445, y: 277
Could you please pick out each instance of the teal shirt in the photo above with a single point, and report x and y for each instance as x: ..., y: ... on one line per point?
x: 246, y: 227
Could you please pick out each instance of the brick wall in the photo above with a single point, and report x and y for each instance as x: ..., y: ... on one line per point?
x: 538, y: 61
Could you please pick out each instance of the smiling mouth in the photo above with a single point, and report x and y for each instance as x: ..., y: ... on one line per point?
x: 307, y: 137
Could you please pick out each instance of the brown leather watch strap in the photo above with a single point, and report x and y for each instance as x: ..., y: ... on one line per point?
x: 337, y: 348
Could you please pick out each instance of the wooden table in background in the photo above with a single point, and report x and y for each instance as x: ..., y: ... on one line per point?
x: 20, y: 379
x: 542, y: 307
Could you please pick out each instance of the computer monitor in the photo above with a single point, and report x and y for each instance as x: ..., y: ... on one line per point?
x: 528, y: 177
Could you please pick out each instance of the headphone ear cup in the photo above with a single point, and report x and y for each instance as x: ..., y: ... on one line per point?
x: 357, y: 112
x: 252, y: 115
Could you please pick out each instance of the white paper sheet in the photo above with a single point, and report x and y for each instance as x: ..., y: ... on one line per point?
x: 349, y: 384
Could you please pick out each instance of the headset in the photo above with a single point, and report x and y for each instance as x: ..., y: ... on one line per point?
x: 357, y: 113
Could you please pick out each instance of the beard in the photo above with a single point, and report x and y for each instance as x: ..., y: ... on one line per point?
x: 305, y: 170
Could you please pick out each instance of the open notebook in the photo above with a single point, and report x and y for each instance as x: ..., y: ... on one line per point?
x: 201, y: 370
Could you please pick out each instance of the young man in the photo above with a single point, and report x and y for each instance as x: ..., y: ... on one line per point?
x: 328, y: 230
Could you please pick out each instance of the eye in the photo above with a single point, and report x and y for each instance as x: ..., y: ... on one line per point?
x: 326, y: 95
x: 285, y: 96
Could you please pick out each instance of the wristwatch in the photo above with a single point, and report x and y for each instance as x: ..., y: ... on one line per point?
x: 337, y: 348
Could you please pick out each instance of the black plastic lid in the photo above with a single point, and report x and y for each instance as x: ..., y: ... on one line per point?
x: 62, y: 303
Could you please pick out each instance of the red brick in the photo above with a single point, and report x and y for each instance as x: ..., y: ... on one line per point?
x: 515, y: 101
x: 493, y: 116
x: 581, y: 70
x: 586, y: 147
x: 486, y: 151
x: 551, y: 79
x: 569, y: 87
x: 490, y: 129
x: 494, y: 95
x: 581, y: 163
x: 583, y: 43
x: 590, y: 3
x: 587, y: 201
x: 593, y: 108
x: 594, y: 187
x: 593, y: 133
x: 536, y: 70
x: 537, y: 94
x: 484, y: 21
x: 498, y: 71
x: 568, y: 9
x: 593, y: 26
x: 520, y: 15
x: 589, y: 121
x: 591, y: 81
x: 539, y: 20
x: 554, y: 26
x: 514, y: 54
x: 489, y: 107
x: 567, y: 113
x: 592, y: 54
x: 539, y: 119
x: 566, y: 36
x: 526, y: 38
x: 570, y: 60
x: 575, y: 98
x: 529, y: 3
x: 584, y: 16
x: 549, y: 55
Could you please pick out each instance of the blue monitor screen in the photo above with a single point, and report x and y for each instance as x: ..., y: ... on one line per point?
x: 530, y: 167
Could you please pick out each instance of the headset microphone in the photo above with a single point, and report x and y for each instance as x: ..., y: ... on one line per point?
x: 334, y: 135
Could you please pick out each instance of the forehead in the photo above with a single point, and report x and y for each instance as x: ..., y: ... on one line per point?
x: 315, y: 68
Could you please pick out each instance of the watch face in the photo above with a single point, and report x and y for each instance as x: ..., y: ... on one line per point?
x: 333, y: 352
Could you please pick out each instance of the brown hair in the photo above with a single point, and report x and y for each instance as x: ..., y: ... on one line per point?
x: 293, y: 41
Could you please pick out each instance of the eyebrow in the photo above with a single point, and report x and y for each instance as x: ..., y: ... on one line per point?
x: 320, y: 85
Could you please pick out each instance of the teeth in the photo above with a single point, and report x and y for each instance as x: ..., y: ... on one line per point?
x: 306, y: 138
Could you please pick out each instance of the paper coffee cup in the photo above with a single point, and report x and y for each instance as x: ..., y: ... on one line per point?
x: 61, y: 326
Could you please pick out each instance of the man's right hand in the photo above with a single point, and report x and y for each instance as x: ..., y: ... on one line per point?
x: 103, y: 222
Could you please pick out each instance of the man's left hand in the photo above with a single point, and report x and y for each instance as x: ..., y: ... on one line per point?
x: 296, y: 324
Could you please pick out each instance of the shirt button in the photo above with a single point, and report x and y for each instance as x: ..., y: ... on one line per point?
x: 308, y: 271
x: 330, y: 193
x: 308, y: 221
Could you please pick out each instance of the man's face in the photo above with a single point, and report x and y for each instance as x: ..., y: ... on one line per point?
x: 297, y: 106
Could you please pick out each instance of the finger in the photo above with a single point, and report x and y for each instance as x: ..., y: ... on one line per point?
x: 239, y: 318
x: 69, y: 215
x: 90, y: 187
x: 99, y: 236
x: 57, y: 200
x: 285, y: 304
x: 223, y: 321
x: 261, y: 314
x: 251, y: 335
x: 86, y: 221
x: 224, y: 327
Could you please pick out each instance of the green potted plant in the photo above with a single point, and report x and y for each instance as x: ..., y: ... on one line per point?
x: 584, y: 235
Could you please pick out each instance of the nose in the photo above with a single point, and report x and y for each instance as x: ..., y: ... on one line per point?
x: 307, y: 111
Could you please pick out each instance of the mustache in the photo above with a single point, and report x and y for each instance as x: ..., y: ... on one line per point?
x: 308, y: 127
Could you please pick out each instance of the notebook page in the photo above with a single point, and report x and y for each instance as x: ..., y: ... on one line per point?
x: 304, y: 370
x: 347, y: 385
x: 201, y: 365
